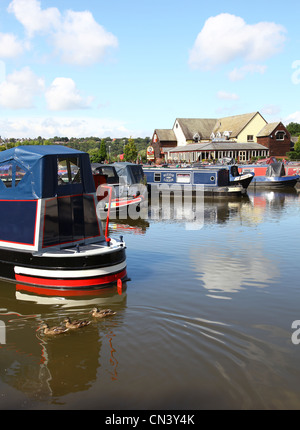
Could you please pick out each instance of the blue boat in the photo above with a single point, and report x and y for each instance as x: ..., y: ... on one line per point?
x: 50, y: 235
x: 215, y: 180
x: 235, y: 177
x: 270, y: 176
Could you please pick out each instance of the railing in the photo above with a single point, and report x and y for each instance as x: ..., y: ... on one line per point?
x: 107, y: 238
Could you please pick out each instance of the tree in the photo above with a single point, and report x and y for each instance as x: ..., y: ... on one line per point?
x: 294, y: 128
x: 98, y: 155
x: 130, y: 153
x: 102, y: 151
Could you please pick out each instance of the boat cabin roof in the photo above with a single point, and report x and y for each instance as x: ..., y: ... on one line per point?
x: 131, y: 172
x: 40, y: 171
x: 108, y: 170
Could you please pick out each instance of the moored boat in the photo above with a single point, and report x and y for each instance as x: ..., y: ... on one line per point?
x: 235, y: 177
x: 271, y: 175
x: 123, y: 181
x: 213, y: 181
x: 50, y: 235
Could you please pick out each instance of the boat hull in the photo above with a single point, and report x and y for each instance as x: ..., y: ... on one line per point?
x: 232, y: 190
x: 86, y: 267
x: 279, y: 182
x: 243, y: 179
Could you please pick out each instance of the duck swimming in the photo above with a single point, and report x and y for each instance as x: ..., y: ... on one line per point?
x: 102, y: 313
x: 76, y: 324
x: 53, y: 330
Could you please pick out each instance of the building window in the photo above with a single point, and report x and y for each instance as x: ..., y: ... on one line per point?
x: 280, y: 135
x: 242, y: 156
x: 250, y: 138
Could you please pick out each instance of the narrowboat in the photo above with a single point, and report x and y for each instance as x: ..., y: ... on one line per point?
x: 292, y: 168
x: 271, y: 175
x: 50, y: 235
x: 125, y: 183
x: 235, y: 177
x: 215, y: 181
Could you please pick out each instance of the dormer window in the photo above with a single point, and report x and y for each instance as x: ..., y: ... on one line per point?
x: 280, y: 135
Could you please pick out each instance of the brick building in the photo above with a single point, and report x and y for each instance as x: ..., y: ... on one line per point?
x: 276, y: 137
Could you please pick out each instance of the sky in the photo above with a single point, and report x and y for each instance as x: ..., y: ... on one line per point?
x: 123, y: 68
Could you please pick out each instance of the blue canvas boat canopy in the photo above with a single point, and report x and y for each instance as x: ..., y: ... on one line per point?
x: 42, y: 171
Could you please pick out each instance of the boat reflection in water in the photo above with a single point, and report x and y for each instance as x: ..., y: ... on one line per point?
x: 43, y: 367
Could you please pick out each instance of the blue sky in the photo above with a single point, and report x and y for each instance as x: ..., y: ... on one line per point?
x: 125, y: 67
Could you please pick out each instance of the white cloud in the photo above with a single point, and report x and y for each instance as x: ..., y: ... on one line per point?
x: 81, y: 40
x: 270, y: 110
x: 64, y: 95
x: 238, y: 74
x: 223, y: 95
x: 19, y: 88
x: 31, y: 127
x: 227, y: 37
x: 10, y: 46
x: 293, y: 117
x: 76, y: 36
x: 33, y: 18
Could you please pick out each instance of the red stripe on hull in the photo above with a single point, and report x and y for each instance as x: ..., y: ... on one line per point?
x: 71, y: 283
x: 43, y: 291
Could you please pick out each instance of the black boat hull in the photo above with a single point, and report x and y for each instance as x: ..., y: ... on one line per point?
x: 80, y: 271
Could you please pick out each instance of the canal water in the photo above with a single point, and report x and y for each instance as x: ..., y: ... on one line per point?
x: 209, y: 320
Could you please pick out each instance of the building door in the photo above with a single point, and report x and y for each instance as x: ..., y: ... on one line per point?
x: 242, y: 156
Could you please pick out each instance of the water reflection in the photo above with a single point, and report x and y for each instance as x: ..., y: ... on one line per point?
x: 249, y: 209
x: 228, y: 271
x: 41, y: 366
x: 239, y: 259
x: 230, y: 353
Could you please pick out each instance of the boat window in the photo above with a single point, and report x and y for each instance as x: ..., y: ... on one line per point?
x: 6, y: 174
x: 108, y: 171
x: 20, y: 172
x: 11, y: 173
x: 137, y: 173
x: 183, y: 178
x: 157, y: 177
x: 212, y: 178
x: 68, y: 170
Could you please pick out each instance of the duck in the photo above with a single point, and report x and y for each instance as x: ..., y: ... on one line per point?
x: 102, y: 313
x: 53, y: 330
x: 75, y: 324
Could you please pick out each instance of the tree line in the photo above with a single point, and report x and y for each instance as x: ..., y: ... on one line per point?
x: 99, y: 149
x: 108, y: 149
